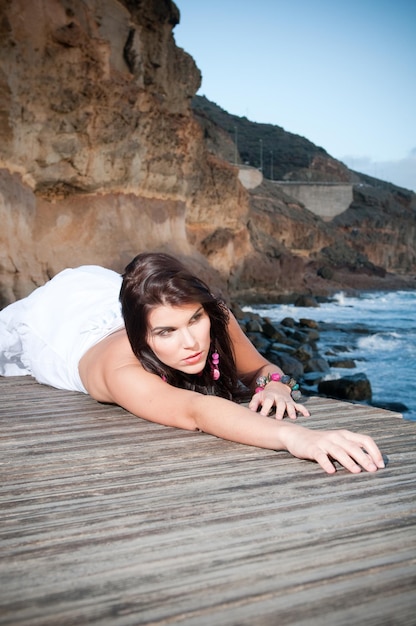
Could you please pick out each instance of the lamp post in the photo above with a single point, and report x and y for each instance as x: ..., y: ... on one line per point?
x: 235, y: 144
x: 271, y: 164
x: 261, y: 155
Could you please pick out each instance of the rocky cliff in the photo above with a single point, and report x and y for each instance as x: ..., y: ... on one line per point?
x: 101, y: 156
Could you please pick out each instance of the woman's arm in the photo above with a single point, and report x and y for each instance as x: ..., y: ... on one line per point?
x: 250, y: 365
x: 147, y: 396
x: 111, y: 373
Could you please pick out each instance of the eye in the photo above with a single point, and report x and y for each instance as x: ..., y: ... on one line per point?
x: 165, y: 332
x: 197, y: 317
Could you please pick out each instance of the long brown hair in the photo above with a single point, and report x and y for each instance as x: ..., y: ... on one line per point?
x: 154, y: 279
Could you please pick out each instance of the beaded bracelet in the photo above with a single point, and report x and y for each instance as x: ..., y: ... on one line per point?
x: 262, y: 381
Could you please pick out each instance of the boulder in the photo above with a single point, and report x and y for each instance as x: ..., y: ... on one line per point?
x: 306, y: 300
x: 287, y: 363
x: 356, y: 387
x: 303, y: 353
x: 316, y: 364
x: 271, y: 331
x: 308, y: 323
x: 289, y: 322
x: 342, y: 363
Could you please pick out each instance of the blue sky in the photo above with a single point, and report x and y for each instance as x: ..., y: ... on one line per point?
x: 340, y: 73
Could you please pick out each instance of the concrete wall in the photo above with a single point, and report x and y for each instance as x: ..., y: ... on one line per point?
x: 324, y: 199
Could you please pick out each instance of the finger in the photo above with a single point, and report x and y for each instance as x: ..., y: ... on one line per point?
x: 268, y: 403
x: 280, y: 409
x: 291, y: 410
x: 362, y: 458
x: 346, y: 459
x: 326, y: 458
x: 371, y: 452
x: 255, y: 402
x: 302, y: 409
x: 352, y: 456
x: 323, y: 459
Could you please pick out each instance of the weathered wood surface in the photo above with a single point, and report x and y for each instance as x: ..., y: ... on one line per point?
x: 107, y: 519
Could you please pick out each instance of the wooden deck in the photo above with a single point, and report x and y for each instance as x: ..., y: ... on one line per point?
x: 107, y: 519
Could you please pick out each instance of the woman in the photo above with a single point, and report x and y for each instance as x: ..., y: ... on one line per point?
x: 174, y: 355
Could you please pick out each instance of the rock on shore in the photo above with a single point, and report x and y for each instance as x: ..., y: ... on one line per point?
x: 292, y: 346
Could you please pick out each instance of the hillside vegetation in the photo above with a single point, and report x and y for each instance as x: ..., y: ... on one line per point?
x: 264, y: 146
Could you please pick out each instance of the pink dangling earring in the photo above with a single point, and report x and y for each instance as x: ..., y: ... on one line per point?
x: 215, y: 372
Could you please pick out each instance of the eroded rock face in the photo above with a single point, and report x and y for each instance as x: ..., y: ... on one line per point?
x: 381, y: 223
x: 101, y: 158
x: 88, y: 84
x: 100, y: 155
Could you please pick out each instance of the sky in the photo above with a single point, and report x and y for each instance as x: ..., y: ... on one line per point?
x: 341, y: 73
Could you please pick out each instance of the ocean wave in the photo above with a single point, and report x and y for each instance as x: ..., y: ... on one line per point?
x: 380, y: 342
x: 339, y: 298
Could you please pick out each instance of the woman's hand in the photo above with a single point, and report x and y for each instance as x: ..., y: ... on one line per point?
x: 277, y: 395
x: 353, y: 451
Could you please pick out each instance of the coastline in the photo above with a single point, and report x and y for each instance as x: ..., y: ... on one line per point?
x: 365, y: 342
x: 346, y: 281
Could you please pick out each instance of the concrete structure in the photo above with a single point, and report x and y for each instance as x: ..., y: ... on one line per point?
x: 250, y: 177
x: 324, y: 199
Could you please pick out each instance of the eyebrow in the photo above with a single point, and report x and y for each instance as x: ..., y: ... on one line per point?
x: 157, y: 329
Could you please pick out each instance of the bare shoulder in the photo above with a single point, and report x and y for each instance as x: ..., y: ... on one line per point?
x: 111, y: 373
x: 102, y: 360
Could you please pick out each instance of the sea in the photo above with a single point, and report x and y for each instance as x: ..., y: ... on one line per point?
x: 377, y: 330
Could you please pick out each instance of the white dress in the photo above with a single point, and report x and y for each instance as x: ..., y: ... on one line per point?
x: 46, y: 334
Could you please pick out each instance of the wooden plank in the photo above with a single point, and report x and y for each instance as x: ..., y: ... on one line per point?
x: 108, y: 519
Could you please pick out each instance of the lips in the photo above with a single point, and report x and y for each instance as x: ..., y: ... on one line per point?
x: 195, y: 358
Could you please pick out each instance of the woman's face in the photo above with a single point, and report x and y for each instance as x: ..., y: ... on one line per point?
x: 180, y: 336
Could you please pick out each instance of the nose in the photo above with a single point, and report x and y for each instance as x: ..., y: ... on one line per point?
x: 188, y: 339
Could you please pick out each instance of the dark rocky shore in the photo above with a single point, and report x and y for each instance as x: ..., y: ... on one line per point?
x: 293, y: 347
